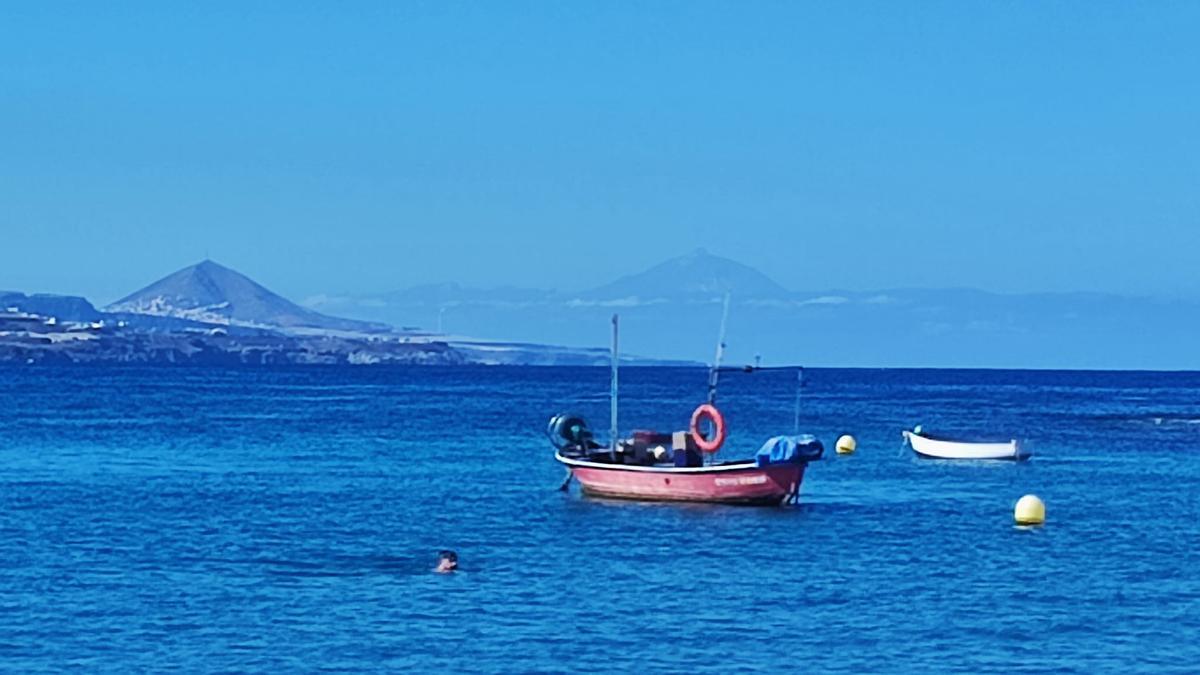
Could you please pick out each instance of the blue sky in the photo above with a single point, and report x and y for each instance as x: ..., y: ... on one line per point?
x: 357, y: 147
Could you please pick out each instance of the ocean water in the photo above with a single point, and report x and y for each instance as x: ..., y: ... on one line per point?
x: 288, y: 519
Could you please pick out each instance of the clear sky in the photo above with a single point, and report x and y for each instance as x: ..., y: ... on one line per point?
x: 357, y: 147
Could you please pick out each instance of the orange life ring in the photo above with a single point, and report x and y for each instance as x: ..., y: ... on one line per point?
x: 708, y: 410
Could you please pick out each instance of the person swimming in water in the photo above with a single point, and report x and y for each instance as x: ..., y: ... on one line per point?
x: 447, y: 562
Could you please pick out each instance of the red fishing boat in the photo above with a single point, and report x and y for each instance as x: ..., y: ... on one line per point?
x: 682, y: 466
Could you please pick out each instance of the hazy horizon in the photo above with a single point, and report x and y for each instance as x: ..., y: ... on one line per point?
x: 316, y: 300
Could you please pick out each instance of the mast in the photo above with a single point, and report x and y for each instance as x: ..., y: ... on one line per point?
x: 799, y: 390
x: 714, y: 372
x: 613, y: 390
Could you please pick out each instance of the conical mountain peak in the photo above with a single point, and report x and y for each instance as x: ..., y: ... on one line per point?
x: 212, y: 293
x: 699, y: 273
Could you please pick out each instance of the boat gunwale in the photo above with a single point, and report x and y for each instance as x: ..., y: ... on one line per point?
x: 1003, y: 450
x: 951, y: 440
x: 720, y: 468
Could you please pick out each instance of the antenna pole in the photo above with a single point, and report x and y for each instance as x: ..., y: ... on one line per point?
x: 613, y: 389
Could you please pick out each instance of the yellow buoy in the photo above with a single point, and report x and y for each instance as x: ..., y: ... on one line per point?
x: 846, y: 445
x: 1030, y: 510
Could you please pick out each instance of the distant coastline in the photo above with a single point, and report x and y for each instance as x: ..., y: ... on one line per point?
x: 209, y: 315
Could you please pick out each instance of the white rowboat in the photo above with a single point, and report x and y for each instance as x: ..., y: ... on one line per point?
x: 939, y: 448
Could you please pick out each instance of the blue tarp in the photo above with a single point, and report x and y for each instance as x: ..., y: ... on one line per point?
x: 789, y: 450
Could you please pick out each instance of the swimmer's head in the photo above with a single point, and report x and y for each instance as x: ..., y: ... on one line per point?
x: 447, y: 561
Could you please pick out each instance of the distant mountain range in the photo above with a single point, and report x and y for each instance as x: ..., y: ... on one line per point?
x: 670, y: 315
x: 673, y: 310
x: 210, y: 314
x: 698, y: 277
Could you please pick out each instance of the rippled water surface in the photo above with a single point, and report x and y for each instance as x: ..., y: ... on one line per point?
x: 271, y: 520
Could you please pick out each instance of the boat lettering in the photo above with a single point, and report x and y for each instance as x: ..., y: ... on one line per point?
x: 744, y: 480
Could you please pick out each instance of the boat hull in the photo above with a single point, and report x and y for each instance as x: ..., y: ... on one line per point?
x: 747, y: 483
x: 941, y: 449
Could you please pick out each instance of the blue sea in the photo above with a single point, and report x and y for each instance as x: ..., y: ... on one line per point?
x: 289, y: 519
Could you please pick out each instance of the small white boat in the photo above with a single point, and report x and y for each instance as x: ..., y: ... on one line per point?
x: 927, y: 445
